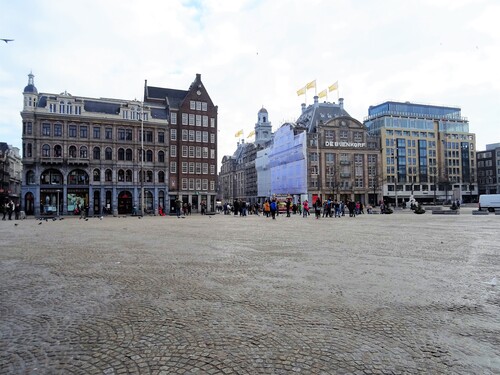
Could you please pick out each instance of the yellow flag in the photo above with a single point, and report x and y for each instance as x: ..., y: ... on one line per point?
x: 334, y: 87
x: 302, y: 91
x: 322, y: 94
x: 311, y: 84
x: 251, y: 134
x: 238, y: 133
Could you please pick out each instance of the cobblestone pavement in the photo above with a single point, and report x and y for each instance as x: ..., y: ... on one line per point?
x: 376, y: 294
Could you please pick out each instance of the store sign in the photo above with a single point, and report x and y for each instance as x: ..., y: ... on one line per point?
x: 345, y: 144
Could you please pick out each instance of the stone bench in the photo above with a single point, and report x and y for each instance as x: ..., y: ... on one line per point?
x: 480, y: 212
x: 448, y: 212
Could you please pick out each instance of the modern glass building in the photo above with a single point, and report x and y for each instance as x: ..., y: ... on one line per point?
x: 427, y: 152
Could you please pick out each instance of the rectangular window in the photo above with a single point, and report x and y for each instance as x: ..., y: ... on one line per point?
x: 212, y: 138
x: 191, y: 184
x: 72, y: 131
x: 57, y: 130
x: 184, y: 167
x: 191, y: 168
x: 343, y: 134
x: 212, y: 185
x: 83, y: 132
x: 173, y: 151
x: 29, y: 128
x: 173, y: 134
x: 191, y: 135
x: 198, y: 106
x: 184, y: 184
x: 46, y: 129
x: 212, y: 154
x: 204, y: 168
x: 191, y: 119
x: 184, y: 119
x: 205, y: 137
x: 96, y: 131
x: 108, y: 133
x: 212, y: 122
x: 204, y: 185
x: 198, y: 136
x: 212, y: 169
x: 205, y: 152
x: 203, y: 106
x: 198, y: 151
x: 185, y: 135
x: 198, y: 184
x: 198, y: 120
x: 184, y: 151
x: 192, y: 104
x: 161, y: 137
x: 198, y: 168
x: 173, y: 118
x: 191, y: 151
x: 173, y: 167
x: 149, y: 136
x: 205, y: 121
x: 121, y: 134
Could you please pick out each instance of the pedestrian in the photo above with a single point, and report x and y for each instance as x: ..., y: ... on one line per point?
x: 178, y: 206
x: 273, y: 207
x: 317, y: 207
x: 305, y: 208
x: 17, y: 211
x: 3, y: 207
x: 267, y: 208
x: 288, y: 207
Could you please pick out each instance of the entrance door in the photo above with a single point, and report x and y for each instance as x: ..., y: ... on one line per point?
x: 29, y: 207
x: 124, y: 203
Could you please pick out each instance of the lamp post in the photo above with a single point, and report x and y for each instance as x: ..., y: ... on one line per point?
x: 142, y: 158
x: 57, y: 202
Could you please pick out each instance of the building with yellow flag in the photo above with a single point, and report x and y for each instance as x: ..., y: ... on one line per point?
x: 311, y: 85
x: 302, y: 91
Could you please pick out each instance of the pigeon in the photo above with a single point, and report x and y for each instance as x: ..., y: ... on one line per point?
x: 86, y: 219
x: 16, y: 224
x: 40, y: 223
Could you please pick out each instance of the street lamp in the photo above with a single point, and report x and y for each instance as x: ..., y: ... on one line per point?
x: 142, y: 158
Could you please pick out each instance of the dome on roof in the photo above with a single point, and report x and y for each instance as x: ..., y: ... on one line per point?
x: 30, y: 89
x: 263, y: 110
x: 31, y: 85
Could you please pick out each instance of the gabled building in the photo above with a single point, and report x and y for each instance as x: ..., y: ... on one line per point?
x: 193, y: 142
x: 10, y: 173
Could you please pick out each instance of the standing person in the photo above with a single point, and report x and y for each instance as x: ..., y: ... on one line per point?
x: 337, y: 209
x: 274, y: 208
x: 17, y: 211
x: 3, y: 208
x: 178, y: 205
x: 317, y: 207
x: 305, y: 209
x: 288, y: 207
x: 267, y: 208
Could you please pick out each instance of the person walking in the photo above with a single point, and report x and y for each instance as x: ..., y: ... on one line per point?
x: 274, y: 208
x: 305, y: 208
x: 317, y: 207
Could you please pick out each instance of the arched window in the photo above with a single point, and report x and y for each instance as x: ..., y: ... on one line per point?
x: 128, y: 175
x: 121, y: 175
x: 149, y: 156
x: 46, y: 151
x: 72, y: 152
x: 149, y: 176
x: 58, y: 151
x: 97, y: 175
x: 78, y: 177
x: 161, y: 176
x: 128, y: 154
x: 161, y: 157
x: 51, y: 176
x: 97, y: 153
x: 108, y: 154
x: 83, y: 152
x: 30, y: 178
x: 108, y: 175
x: 121, y: 154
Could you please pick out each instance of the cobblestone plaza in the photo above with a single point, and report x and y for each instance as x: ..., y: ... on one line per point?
x: 375, y: 294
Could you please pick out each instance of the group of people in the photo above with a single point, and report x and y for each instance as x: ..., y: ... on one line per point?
x: 8, y: 207
x: 330, y: 208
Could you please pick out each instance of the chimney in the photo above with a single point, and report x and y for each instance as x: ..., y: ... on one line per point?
x: 341, y: 103
x: 303, y: 106
x: 316, y: 100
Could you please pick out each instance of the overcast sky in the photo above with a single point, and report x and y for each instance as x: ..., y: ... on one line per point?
x: 257, y: 53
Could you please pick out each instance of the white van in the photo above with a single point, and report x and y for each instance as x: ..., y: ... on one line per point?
x: 490, y: 202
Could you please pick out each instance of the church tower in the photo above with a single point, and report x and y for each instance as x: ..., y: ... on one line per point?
x: 263, y: 128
